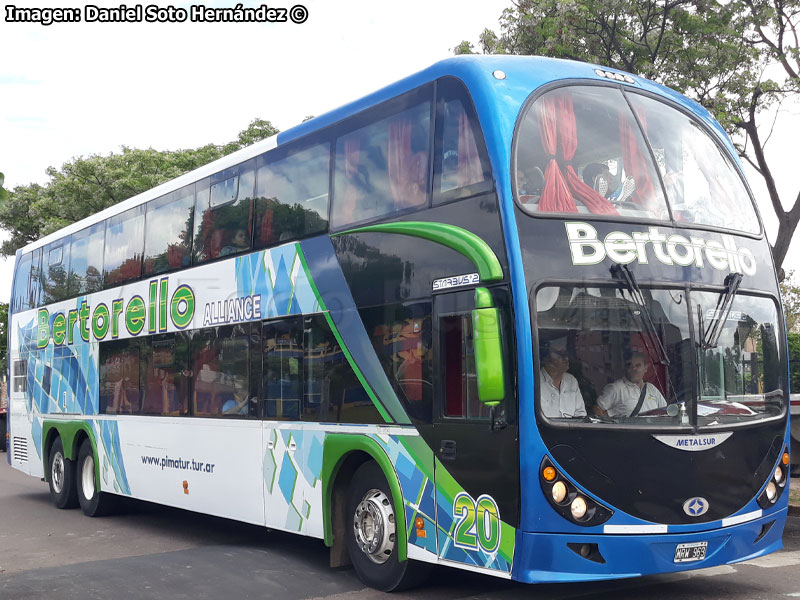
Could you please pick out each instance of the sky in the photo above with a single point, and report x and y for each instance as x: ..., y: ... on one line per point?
x: 75, y: 89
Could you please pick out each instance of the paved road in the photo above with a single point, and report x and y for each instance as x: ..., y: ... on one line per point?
x: 148, y: 551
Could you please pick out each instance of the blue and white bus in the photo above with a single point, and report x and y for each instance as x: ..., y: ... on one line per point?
x: 510, y: 314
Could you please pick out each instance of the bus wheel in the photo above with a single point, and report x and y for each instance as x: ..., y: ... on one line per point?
x: 62, y: 477
x: 372, y: 536
x: 94, y: 503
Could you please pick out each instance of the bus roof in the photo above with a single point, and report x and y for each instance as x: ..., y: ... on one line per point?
x: 498, y: 99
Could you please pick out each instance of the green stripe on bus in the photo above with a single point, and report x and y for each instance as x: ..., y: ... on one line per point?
x: 378, y: 404
x: 445, y: 484
x: 462, y: 241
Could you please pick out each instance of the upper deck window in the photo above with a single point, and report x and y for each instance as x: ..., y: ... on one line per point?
x: 223, y: 224
x: 382, y: 168
x: 86, y: 268
x: 292, y: 195
x: 168, y: 239
x: 461, y: 166
x: 702, y: 184
x: 589, y: 149
x: 579, y: 150
x: 21, y: 300
x: 54, y: 271
x: 124, y: 247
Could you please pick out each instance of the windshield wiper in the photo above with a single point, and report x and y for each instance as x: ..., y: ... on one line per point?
x: 623, y: 273
x: 724, y: 302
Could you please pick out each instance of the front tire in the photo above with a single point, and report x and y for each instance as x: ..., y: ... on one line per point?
x: 62, y: 477
x: 94, y: 503
x: 371, y: 534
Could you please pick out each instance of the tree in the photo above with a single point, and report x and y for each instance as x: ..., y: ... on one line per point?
x: 87, y: 185
x: 717, y: 53
x: 790, y: 293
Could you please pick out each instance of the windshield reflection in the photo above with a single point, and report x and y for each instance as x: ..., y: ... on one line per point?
x: 740, y: 376
x: 610, y: 356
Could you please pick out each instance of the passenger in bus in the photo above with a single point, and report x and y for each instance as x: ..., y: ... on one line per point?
x: 560, y: 395
x: 238, y: 243
x: 630, y: 395
x: 599, y: 178
x: 531, y: 184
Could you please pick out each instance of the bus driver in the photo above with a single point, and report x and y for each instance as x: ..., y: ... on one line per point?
x: 560, y: 395
x: 631, y: 395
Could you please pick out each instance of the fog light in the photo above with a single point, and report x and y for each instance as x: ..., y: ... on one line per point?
x: 578, y: 508
x: 772, y: 491
x: 778, y: 474
x: 559, y: 492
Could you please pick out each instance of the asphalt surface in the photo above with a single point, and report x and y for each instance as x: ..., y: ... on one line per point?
x: 148, y: 551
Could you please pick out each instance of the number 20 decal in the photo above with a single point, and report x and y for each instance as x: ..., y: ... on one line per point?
x: 477, y: 522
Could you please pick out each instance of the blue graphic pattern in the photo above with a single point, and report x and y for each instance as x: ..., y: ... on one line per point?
x: 277, y: 275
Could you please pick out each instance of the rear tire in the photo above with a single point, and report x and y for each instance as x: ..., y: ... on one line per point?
x: 62, y: 477
x: 93, y: 503
x: 371, y: 535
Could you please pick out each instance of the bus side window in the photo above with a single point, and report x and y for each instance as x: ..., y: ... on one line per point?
x: 292, y: 196
x: 86, y: 260
x: 458, y: 377
x: 35, y: 280
x: 223, y: 223
x: 332, y: 393
x: 382, y: 168
x: 165, y: 362
x: 124, y: 247
x: 20, y: 302
x: 220, y: 361
x: 54, y: 271
x: 119, y: 377
x: 168, y: 239
x: 461, y: 166
x: 401, y: 336
x: 282, y: 359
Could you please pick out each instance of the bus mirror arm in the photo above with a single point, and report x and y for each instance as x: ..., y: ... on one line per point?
x: 488, y: 349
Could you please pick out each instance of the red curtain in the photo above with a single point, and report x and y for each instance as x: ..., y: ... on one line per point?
x: 469, y: 163
x: 558, y: 129
x: 408, y: 177
x: 352, y: 154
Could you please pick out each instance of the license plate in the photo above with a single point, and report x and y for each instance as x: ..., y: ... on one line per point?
x: 690, y: 552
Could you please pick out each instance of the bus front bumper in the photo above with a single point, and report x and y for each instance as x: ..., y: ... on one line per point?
x: 552, y: 558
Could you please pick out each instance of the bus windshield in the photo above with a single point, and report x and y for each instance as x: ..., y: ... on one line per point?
x: 634, y: 359
x: 591, y: 149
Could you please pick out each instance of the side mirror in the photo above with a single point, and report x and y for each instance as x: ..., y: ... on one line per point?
x: 488, y: 348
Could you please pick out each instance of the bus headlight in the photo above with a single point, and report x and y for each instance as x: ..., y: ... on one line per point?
x: 559, y: 492
x: 569, y: 501
x: 771, y: 491
x: 778, y: 476
x: 578, y: 508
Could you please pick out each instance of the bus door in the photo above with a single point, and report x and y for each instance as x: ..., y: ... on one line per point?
x: 476, y: 446
x: 19, y: 414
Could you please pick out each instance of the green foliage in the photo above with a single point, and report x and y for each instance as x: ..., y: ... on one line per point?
x: 87, y: 185
x: 712, y: 51
x: 794, y: 362
x: 790, y: 294
x: 3, y: 192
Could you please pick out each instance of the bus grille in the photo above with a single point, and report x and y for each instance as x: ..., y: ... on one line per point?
x: 20, y: 449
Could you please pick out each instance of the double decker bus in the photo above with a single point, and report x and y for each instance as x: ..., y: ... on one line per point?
x: 513, y: 315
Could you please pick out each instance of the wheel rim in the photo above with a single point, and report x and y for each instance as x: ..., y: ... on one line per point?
x: 57, y: 472
x: 374, y: 526
x: 87, y: 478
